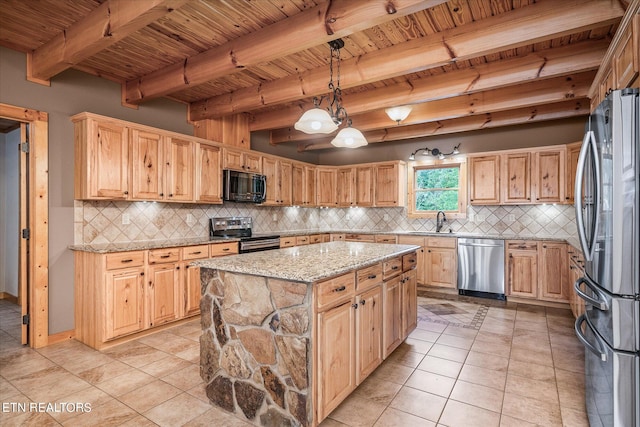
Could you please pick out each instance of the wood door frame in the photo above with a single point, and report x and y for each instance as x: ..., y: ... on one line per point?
x: 38, y: 205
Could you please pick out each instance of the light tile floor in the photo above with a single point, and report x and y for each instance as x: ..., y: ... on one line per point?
x: 467, y: 364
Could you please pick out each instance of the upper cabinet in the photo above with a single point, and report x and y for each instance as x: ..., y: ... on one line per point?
x: 101, y: 160
x: 346, y: 186
x: 116, y: 160
x: 247, y: 161
x: 326, y: 179
x: 229, y: 130
x: 390, y: 184
x: 532, y: 176
x: 303, y: 186
x: 364, y: 186
x: 484, y: 180
x: 278, y: 176
x: 573, y: 152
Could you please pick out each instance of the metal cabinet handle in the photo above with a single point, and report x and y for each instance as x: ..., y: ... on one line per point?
x: 165, y: 256
x: 372, y: 276
x: 196, y: 253
x: 395, y: 267
x: 124, y: 261
x: 225, y: 249
x: 340, y: 289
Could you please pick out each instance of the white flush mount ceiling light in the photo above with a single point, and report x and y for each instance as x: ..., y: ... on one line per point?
x: 398, y: 114
x: 319, y: 121
x: 435, y: 152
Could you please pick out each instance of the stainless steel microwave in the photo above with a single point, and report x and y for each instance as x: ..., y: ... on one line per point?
x: 244, y: 187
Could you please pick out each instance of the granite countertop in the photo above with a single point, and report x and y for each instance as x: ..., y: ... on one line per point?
x: 150, y: 244
x: 308, y: 263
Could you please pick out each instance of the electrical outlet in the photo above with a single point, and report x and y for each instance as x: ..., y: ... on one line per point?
x: 126, y: 220
x: 275, y: 217
x: 190, y: 219
x: 511, y: 218
x: 479, y: 218
x: 385, y: 217
x: 347, y: 217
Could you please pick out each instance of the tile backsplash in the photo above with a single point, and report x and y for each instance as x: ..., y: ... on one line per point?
x: 99, y: 222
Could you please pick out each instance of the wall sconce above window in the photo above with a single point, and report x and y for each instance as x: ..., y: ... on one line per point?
x: 435, y: 152
x: 398, y: 114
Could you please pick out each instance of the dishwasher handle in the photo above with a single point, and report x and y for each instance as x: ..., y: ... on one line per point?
x: 481, y: 245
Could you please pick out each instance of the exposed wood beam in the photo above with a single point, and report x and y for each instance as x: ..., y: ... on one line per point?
x: 321, y: 24
x: 109, y: 23
x: 520, y: 27
x: 527, y: 94
x: 556, y: 62
x: 554, y: 111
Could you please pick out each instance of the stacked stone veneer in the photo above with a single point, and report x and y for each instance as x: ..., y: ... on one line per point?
x: 255, y: 354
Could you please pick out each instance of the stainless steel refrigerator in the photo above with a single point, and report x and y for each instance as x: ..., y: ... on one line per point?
x: 607, y: 217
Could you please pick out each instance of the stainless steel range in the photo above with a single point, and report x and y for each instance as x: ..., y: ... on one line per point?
x: 240, y: 227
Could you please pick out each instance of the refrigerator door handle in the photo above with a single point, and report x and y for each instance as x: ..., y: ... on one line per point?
x: 600, y: 303
x: 595, y: 350
x: 589, y: 141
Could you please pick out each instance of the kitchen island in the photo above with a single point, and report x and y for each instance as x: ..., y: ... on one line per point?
x: 288, y: 334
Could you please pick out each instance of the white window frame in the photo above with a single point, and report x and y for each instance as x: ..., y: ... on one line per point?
x: 437, y: 164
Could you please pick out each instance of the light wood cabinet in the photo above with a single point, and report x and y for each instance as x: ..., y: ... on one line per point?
x: 390, y: 184
x: 247, y: 161
x: 573, y: 152
x: 484, y: 180
x: 279, y: 181
x: 101, y: 160
x: 191, y: 278
x: 386, y: 238
x: 208, y: 174
x: 441, y: 262
x: 548, y: 178
x: 522, y: 269
x: 124, y: 298
x: 163, y: 293
x: 326, y: 181
x: 576, y: 271
x: 147, y: 165
x: 368, y: 332
x: 356, y: 237
x: 420, y: 254
x: 553, y: 277
x: 392, y: 314
x: 180, y: 175
x: 346, y: 186
x: 303, y: 185
x: 626, y: 57
x: 364, y: 186
x: 515, y: 169
x: 230, y: 130
x: 408, y: 281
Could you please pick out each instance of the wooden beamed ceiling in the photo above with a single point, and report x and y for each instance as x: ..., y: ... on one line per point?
x: 462, y: 64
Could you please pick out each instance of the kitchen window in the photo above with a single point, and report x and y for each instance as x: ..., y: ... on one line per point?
x: 437, y: 187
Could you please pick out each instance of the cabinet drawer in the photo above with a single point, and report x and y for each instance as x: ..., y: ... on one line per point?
x: 337, y: 237
x: 441, y: 242
x: 157, y: 256
x: 302, y: 240
x: 287, y: 242
x: 359, y: 238
x: 392, y: 267
x: 523, y: 245
x: 335, y: 290
x: 220, y: 249
x: 409, y: 261
x: 386, y: 239
x: 195, y: 252
x: 369, y: 276
x: 125, y: 260
x: 315, y: 238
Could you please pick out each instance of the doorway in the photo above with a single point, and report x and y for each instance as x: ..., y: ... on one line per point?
x: 24, y: 251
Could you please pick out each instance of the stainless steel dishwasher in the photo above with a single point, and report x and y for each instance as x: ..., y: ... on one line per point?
x: 481, y: 268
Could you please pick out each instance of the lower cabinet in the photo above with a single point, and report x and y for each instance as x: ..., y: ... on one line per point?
x: 437, y: 263
x: 522, y: 269
x: 120, y: 294
x: 361, y: 318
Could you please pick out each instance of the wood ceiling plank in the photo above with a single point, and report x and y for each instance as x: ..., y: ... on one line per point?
x: 552, y: 111
x: 110, y: 22
x: 408, y: 57
x: 312, y: 27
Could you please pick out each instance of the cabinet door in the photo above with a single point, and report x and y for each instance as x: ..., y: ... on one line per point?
x: 232, y: 159
x: 441, y: 267
x: 284, y: 182
x: 208, y: 174
x: 392, y: 315
x: 548, y: 176
x: 310, y: 186
x: 421, y: 254
x: 297, y: 184
x: 336, y: 358
x: 346, y: 186
x: 252, y: 162
x: 484, y: 180
x: 368, y: 332
x: 387, y: 185
x: 552, y: 277
x: 573, y: 152
x: 270, y: 171
x: 108, y: 153
x: 326, y: 187
x: 180, y: 170
x: 164, y: 293
x: 516, y: 181
x: 523, y: 273
x: 191, y: 296
x: 409, y: 302
x: 364, y: 186
x: 124, y: 302
x: 147, y: 165
x: 626, y: 59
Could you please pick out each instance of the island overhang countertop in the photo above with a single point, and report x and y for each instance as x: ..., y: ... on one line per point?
x: 309, y: 263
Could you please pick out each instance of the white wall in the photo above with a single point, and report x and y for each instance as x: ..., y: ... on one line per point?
x: 9, y: 202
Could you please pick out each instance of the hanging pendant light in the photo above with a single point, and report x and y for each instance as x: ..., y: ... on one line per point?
x: 319, y: 121
x: 398, y: 114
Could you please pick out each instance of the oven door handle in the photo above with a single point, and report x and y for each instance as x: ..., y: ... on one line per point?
x: 592, y: 348
x: 600, y: 303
